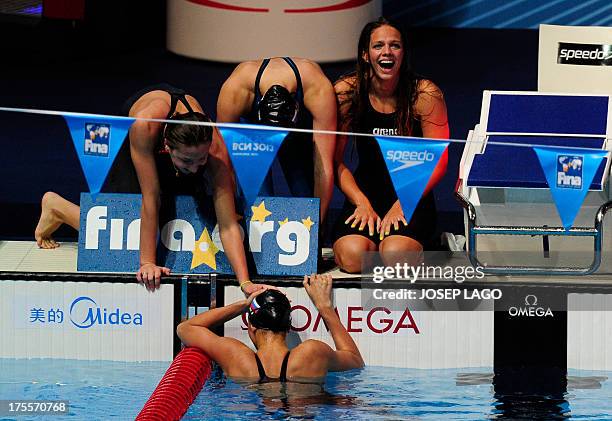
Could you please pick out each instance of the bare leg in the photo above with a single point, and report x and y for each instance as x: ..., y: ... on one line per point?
x: 55, y: 211
x: 400, y: 249
x: 349, y: 251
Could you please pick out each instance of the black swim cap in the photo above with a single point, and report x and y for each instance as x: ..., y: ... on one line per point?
x: 271, y: 310
x: 278, y: 108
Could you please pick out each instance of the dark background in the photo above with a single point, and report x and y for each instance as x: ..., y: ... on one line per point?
x: 93, y: 65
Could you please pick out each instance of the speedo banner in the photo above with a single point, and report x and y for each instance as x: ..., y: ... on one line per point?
x: 97, y: 142
x: 410, y: 164
x: 282, y: 235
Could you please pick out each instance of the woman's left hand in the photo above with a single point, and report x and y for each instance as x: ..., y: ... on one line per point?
x: 250, y: 288
x: 394, y: 216
x: 252, y: 296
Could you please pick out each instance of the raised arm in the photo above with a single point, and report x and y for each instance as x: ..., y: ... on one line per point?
x: 197, y: 332
x: 347, y: 355
x: 320, y: 100
x: 143, y: 137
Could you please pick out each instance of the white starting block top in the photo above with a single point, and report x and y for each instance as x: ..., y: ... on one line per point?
x: 494, y: 156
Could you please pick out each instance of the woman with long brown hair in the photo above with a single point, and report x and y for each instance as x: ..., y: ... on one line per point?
x: 383, y: 97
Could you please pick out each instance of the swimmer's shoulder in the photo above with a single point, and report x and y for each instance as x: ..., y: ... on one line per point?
x: 310, y: 359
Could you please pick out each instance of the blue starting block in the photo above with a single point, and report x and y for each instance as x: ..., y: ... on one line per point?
x: 500, y: 174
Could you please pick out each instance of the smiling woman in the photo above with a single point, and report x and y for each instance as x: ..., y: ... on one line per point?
x: 384, y: 96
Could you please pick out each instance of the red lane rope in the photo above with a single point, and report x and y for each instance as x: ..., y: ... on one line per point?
x: 179, y: 387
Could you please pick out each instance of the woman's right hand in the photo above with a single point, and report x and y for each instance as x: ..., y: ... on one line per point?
x: 150, y: 275
x: 364, y: 215
x: 319, y: 288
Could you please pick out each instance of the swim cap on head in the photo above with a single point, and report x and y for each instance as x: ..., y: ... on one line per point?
x: 278, y: 108
x: 270, y: 310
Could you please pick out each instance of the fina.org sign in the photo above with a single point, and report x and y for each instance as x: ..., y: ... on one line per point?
x: 282, y: 235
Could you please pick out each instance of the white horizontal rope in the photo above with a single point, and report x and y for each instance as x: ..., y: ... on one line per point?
x: 309, y: 131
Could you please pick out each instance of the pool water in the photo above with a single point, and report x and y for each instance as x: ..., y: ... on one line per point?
x: 96, y: 390
x: 101, y: 390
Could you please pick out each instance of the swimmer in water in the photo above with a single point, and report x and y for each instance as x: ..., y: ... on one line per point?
x: 269, y: 321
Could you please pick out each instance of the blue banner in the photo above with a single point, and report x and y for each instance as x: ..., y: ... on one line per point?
x: 569, y: 173
x: 252, y: 151
x: 282, y: 235
x: 97, y: 142
x: 410, y: 162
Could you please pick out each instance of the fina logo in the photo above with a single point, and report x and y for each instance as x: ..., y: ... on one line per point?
x: 409, y: 159
x: 85, y: 313
x: 530, y: 309
x: 333, y: 6
x: 569, y: 171
x: 96, y: 139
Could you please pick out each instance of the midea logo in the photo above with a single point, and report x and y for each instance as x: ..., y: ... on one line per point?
x: 333, y: 6
x: 531, y: 309
x: 85, y: 313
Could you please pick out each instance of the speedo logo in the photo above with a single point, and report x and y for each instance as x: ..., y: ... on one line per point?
x: 585, y: 54
x: 409, y: 158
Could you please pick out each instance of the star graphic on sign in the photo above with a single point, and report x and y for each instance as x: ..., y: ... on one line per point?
x: 283, y: 222
x: 308, y: 223
x: 204, y: 252
x: 260, y: 213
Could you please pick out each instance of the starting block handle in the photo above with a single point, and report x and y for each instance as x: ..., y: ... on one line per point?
x: 474, y: 230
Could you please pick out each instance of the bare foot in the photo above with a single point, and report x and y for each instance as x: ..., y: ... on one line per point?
x: 48, y: 222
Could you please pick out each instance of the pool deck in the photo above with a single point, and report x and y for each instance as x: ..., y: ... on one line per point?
x: 26, y: 256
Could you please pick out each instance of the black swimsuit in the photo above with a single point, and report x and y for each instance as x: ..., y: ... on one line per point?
x: 263, y: 377
x: 373, y: 179
x: 122, y: 177
x: 296, y: 153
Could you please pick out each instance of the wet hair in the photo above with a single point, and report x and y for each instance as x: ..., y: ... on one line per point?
x: 271, y: 310
x: 278, y: 107
x: 176, y: 135
x: 358, y: 94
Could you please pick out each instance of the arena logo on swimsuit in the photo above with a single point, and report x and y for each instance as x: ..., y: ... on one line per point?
x: 332, y: 6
